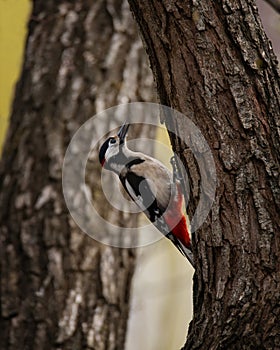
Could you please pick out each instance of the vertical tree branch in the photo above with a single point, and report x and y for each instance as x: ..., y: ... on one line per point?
x: 213, y: 62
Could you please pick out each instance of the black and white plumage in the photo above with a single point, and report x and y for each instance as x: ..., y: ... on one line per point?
x: 150, y: 184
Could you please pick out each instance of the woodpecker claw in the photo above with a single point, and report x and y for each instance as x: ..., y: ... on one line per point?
x: 123, y: 131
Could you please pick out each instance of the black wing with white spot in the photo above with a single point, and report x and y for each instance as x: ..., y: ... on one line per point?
x: 139, y: 190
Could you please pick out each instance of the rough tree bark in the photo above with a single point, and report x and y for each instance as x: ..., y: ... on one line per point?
x: 60, y: 289
x: 213, y: 62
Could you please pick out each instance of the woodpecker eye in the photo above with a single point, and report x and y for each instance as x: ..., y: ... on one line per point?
x: 112, y: 141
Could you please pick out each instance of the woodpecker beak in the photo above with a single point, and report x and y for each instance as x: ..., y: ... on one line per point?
x: 122, y: 132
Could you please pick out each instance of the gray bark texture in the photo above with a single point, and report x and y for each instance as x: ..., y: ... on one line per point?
x: 213, y: 62
x: 61, y: 289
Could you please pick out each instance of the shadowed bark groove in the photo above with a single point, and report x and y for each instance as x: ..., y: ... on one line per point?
x: 60, y: 289
x: 213, y: 62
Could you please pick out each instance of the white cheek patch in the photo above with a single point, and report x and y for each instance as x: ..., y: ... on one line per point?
x: 112, y: 151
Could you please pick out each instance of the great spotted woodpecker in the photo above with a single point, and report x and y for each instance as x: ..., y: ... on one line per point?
x: 150, y: 184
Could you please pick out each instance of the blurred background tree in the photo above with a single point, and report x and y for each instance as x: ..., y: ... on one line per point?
x: 60, y: 288
x: 50, y: 270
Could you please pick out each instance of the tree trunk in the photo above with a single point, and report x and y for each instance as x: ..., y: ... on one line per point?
x: 212, y: 61
x: 61, y: 289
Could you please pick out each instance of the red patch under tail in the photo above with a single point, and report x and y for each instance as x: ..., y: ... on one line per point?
x: 177, y: 222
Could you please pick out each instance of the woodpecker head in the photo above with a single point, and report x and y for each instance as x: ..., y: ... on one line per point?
x: 111, y: 155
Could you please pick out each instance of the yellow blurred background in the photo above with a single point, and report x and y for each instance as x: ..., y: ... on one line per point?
x: 13, y: 22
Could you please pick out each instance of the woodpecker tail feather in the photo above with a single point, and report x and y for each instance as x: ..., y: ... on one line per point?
x: 161, y: 225
x: 186, y: 252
